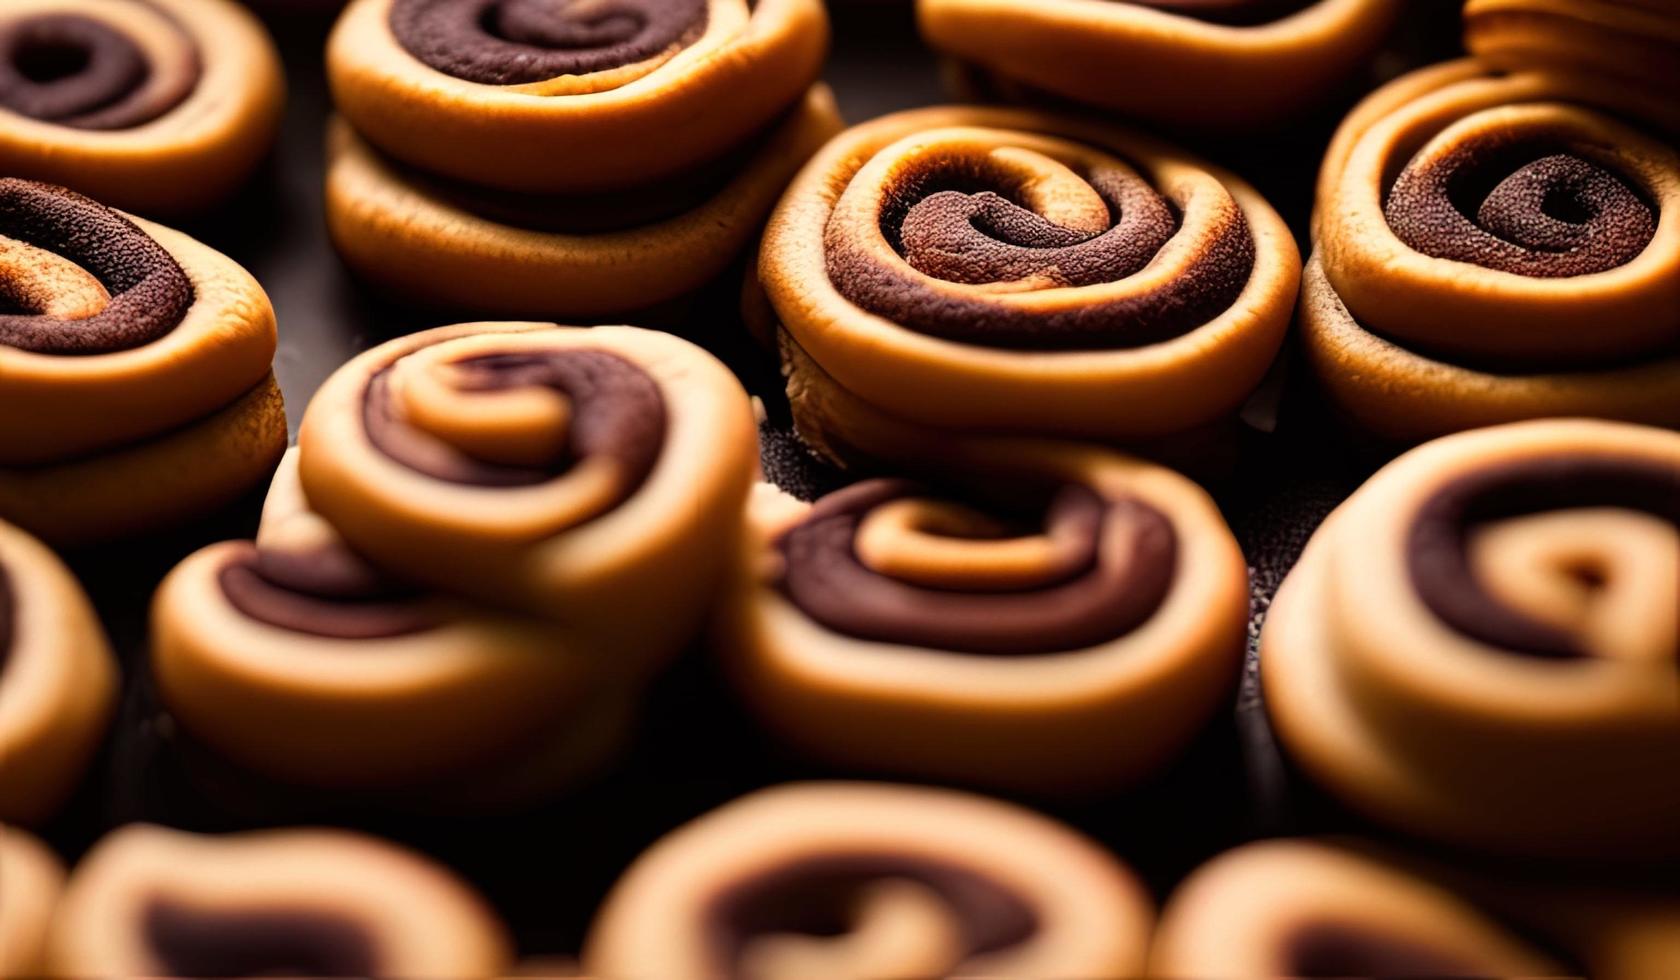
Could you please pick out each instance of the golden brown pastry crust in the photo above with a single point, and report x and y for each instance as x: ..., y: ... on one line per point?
x: 1471, y: 639
x: 313, y: 667
x: 156, y: 428
x: 150, y: 901
x: 194, y: 153
x: 1310, y: 908
x: 1413, y: 336
x: 622, y: 553
x: 1637, y: 40
x: 914, y: 866
x: 1129, y: 354
x: 614, y: 128
x: 1067, y: 716
x: 58, y: 680
x: 425, y: 248
x: 1160, y: 64
x: 29, y: 888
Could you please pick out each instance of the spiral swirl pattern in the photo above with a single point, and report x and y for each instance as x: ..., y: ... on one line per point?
x: 1497, y: 247
x: 885, y: 883
x: 1519, y: 593
x: 1005, y: 270
x: 108, y: 68
x: 145, y: 292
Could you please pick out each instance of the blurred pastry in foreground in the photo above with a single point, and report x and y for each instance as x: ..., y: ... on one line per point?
x: 1498, y: 246
x: 58, y: 680
x: 1193, y: 64
x: 31, y: 879
x: 1004, y: 271
x: 861, y: 880
x: 156, y: 106
x: 137, y: 389
x: 1043, y: 618
x: 1482, y: 645
x: 153, y: 902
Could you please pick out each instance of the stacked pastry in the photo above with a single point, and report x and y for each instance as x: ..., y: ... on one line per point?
x: 150, y: 105
x: 489, y: 538
x: 525, y: 158
x: 135, y: 371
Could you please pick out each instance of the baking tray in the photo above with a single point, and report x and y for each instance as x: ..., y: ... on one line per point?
x: 547, y: 868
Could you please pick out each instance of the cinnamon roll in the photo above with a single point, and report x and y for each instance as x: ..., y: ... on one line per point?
x: 1638, y: 40
x: 295, y: 657
x: 1048, y: 618
x: 1000, y: 270
x: 437, y: 241
x: 136, y: 364
x: 860, y: 880
x: 1483, y: 643
x: 150, y: 105
x: 1187, y: 63
x: 153, y: 902
x: 58, y: 680
x: 30, y: 881
x: 1494, y: 247
x: 592, y: 476
x: 1301, y: 908
x: 573, y: 97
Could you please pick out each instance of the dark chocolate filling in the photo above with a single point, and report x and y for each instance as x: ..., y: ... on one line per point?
x: 79, y: 72
x: 1090, y: 601
x: 292, y: 605
x: 199, y: 941
x: 617, y: 412
x: 818, y: 896
x: 1521, y: 207
x: 1336, y: 949
x: 1438, y: 556
x: 515, y: 42
x: 1238, y: 13
x: 950, y: 226
x: 150, y: 293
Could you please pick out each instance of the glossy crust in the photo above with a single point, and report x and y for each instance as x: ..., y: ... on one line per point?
x: 1132, y: 354
x: 319, y: 670
x: 29, y: 888
x: 622, y: 554
x: 426, y: 248
x: 58, y: 680
x: 1306, y: 908
x: 614, y: 127
x: 1414, y: 337
x: 1040, y: 716
x: 194, y: 153
x: 1635, y: 39
x: 919, y: 872
x: 94, y: 445
x: 150, y: 901
x: 1150, y: 61
x: 1511, y: 685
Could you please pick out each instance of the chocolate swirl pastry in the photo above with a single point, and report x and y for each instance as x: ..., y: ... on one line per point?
x: 595, y: 477
x: 29, y: 890
x: 58, y: 681
x: 626, y: 92
x: 153, y: 902
x: 1638, y: 40
x: 436, y: 241
x: 1005, y: 270
x: 151, y: 105
x: 1065, y: 623
x: 1301, y: 908
x: 1483, y: 643
x: 295, y: 657
x: 853, y: 879
x: 1188, y: 63
x: 1493, y: 247
x: 137, y: 371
